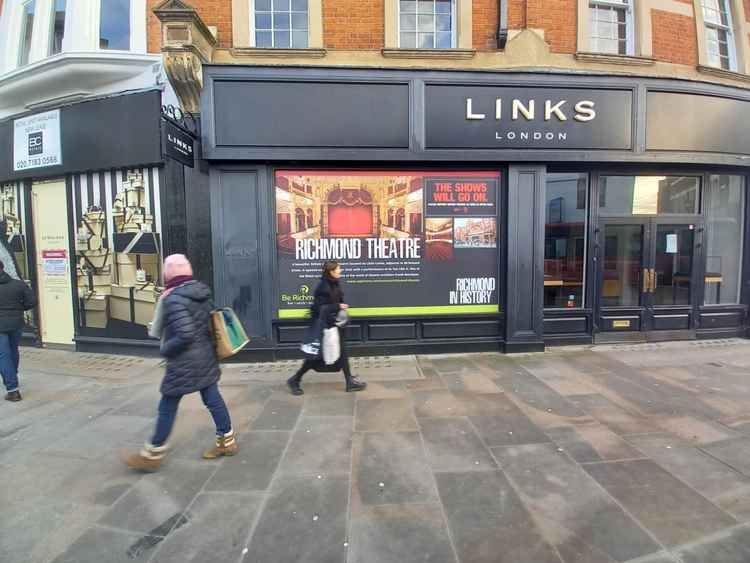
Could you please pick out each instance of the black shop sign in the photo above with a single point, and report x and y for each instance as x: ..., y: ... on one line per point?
x: 179, y: 145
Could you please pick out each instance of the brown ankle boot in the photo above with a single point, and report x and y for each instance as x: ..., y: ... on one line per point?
x: 148, y: 459
x: 13, y: 396
x: 225, y: 445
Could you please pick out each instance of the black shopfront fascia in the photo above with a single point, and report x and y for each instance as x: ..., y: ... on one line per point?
x: 121, y: 132
x: 386, y: 120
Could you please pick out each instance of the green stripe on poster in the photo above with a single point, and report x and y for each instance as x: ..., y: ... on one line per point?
x: 397, y: 311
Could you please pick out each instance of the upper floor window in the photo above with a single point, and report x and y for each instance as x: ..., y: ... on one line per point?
x: 611, y: 26
x: 58, y: 26
x: 114, y: 25
x: 27, y: 32
x: 282, y: 24
x: 717, y: 16
x: 427, y: 24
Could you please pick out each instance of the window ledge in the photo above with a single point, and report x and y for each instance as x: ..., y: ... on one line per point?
x: 721, y: 73
x: 451, y: 54
x: 273, y: 53
x: 627, y: 60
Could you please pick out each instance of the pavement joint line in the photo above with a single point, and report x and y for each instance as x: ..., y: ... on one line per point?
x: 707, y: 539
x: 435, y: 488
x: 276, y: 475
x: 348, y: 527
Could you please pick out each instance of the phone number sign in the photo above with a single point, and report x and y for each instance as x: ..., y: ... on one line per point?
x: 36, y: 141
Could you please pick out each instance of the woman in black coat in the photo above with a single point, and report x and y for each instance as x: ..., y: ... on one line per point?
x: 329, y: 301
x: 183, y: 316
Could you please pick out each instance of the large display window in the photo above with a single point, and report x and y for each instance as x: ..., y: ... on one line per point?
x: 409, y: 243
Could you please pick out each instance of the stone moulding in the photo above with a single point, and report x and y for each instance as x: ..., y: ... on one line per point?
x: 456, y: 54
x: 277, y: 53
x: 626, y: 60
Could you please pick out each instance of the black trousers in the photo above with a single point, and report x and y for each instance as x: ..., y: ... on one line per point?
x: 320, y: 366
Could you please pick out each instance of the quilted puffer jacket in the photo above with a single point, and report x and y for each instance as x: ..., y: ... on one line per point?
x: 187, y: 343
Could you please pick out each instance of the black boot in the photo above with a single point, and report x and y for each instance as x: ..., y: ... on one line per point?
x: 352, y: 385
x: 293, y: 383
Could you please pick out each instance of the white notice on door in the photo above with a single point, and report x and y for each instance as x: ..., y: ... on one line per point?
x: 671, y: 244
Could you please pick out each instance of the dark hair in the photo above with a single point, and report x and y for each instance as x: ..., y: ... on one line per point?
x: 329, y: 267
x: 2, y: 266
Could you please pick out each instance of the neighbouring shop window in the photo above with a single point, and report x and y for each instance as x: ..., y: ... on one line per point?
x: 282, y: 24
x: 13, y: 247
x: 427, y: 24
x: 565, y: 240
x: 114, y: 25
x: 611, y: 27
x: 717, y: 17
x: 27, y: 32
x: 118, y: 251
x: 724, y: 211
x: 58, y: 26
x: 409, y: 243
x: 648, y: 195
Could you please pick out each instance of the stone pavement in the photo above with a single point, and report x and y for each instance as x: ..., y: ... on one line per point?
x: 637, y: 453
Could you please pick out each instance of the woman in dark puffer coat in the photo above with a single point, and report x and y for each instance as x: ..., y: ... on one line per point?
x: 183, y: 320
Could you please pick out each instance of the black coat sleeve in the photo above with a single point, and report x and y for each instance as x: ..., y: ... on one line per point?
x: 179, y: 328
x: 29, y: 298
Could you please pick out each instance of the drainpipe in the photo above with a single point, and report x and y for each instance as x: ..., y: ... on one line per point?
x: 502, y: 23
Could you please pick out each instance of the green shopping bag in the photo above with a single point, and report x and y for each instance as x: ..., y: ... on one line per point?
x: 229, y: 336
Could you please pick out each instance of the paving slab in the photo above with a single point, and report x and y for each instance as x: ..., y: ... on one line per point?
x: 253, y: 467
x: 392, y: 468
x: 278, y: 415
x: 569, y: 507
x: 385, y: 415
x: 488, y: 522
x: 304, y: 519
x: 592, y: 442
x: 617, y: 419
x: 735, y: 453
x: 668, y: 508
x: 732, y: 546
x: 156, y: 498
x: 320, y: 445
x: 453, y: 445
x: 399, y: 533
x: 217, y: 529
x: 113, y: 546
x: 337, y: 405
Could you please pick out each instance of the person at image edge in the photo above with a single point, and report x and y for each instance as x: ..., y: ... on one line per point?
x: 182, y: 320
x: 329, y: 301
x: 15, y: 298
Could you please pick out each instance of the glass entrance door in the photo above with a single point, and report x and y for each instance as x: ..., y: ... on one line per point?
x: 646, y: 278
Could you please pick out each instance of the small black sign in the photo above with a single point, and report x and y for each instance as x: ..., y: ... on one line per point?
x: 179, y: 145
x: 36, y: 143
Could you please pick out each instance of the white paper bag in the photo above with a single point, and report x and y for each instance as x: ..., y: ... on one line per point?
x: 331, y: 345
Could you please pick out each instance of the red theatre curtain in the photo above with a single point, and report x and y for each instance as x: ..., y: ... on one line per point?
x: 350, y: 221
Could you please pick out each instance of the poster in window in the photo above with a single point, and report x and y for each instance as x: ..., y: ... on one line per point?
x: 409, y: 243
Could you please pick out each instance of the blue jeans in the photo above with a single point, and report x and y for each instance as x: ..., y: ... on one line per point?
x: 9, y: 357
x: 168, y: 412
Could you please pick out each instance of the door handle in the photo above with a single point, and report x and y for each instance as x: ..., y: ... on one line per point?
x: 653, y: 280
x: 646, y: 280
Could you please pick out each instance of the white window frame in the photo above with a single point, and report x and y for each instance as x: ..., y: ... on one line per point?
x: 728, y: 29
x: 454, y: 25
x: 253, y: 42
x: 52, y: 6
x: 21, y: 36
x: 627, y: 7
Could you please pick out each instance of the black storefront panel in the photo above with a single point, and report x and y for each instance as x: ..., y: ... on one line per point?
x: 121, y: 131
x: 311, y: 114
x: 697, y: 123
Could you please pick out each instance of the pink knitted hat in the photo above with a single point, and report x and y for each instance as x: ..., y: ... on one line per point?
x: 176, y: 265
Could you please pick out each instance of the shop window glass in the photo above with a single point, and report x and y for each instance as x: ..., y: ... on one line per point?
x: 717, y: 17
x: 118, y: 251
x: 610, y: 27
x: 27, y: 32
x: 114, y: 25
x: 724, y: 211
x: 565, y: 240
x: 648, y: 195
x: 13, y: 247
x: 426, y: 24
x: 281, y: 24
x: 58, y: 26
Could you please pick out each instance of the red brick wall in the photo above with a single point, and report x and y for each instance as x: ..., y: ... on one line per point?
x: 213, y: 13
x: 674, y: 38
x: 353, y: 24
x: 558, y: 19
x: 484, y: 22
x: 747, y: 9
